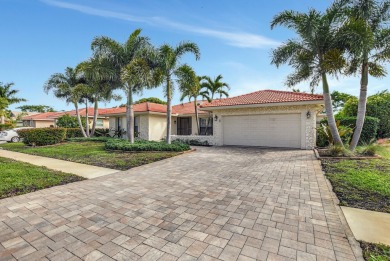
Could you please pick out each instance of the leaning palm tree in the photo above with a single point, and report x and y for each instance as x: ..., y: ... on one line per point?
x: 213, y: 87
x: 121, y: 55
x: 313, y: 55
x: 63, y: 86
x: 169, y: 60
x: 189, y: 86
x: 367, y: 38
x: 8, y: 96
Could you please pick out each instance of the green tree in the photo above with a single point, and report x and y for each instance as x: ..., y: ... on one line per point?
x: 314, y: 54
x: 366, y: 35
x: 133, y: 64
x: 36, y: 108
x: 211, y: 88
x: 339, y: 99
x: 169, y: 61
x: 64, y: 86
x: 8, y: 96
x: 378, y: 106
x: 67, y: 121
x: 151, y: 99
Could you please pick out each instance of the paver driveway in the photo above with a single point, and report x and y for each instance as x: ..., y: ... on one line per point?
x: 223, y: 203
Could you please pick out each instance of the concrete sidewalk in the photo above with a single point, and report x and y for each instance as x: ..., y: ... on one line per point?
x: 83, y: 170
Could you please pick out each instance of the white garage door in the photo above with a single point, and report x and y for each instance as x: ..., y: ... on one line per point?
x: 269, y: 130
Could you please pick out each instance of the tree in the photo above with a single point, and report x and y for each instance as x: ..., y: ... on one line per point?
x: 67, y: 121
x: 314, y: 54
x: 211, y: 88
x: 378, y: 106
x: 64, y: 86
x: 127, y: 58
x: 169, y: 62
x: 189, y: 86
x: 8, y: 96
x: 339, y: 99
x: 36, y: 108
x: 151, y: 99
x: 366, y: 36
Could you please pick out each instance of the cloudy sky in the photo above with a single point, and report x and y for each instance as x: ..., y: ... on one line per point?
x: 42, y: 37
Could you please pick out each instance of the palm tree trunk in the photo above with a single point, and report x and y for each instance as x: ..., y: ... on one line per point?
x: 2, y: 119
x: 361, y: 106
x: 79, y: 120
x: 87, y: 118
x: 169, y: 110
x: 197, y: 116
x: 95, y: 115
x: 329, y: 112
x: 130, y: 115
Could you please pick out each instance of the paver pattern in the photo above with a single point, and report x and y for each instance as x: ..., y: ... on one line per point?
x: 213, y: 204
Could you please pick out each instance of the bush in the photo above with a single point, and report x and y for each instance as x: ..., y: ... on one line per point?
x: 42, y: 136
x: 369, y: 131
x: 102, y: 132
x: 83, y: 139
x: 6, y: 126
x: 119, y: 144
x: 325, y: 138
x: 67, y: 121
x: 73, y: 133
x: 339, y: 151
x: 368, y: 150
x: 192, y: 142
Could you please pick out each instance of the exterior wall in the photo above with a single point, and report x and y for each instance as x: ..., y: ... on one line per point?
x: 193, y: 124
x: 308, y: 131
x: 157, y: 127
x: 43, y: 124
x: 143, y: 127
x: 174, y: 125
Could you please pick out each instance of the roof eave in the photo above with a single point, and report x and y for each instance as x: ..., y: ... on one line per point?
x: 274, y: 104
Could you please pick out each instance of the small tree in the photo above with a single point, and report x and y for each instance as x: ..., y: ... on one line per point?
x: 36, y: 108
x: 67, y: 121
x: 8, y: 96
x: 151, y: 99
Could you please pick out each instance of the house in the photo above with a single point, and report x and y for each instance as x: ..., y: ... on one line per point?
x: 266, y: 118
x: 150, y: 120
x: 17, y: 116
x: 48, y: 119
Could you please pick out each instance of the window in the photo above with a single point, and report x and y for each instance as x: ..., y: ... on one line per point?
x: 99, y: 123
x: 136, y: 126
x: 203, y: 125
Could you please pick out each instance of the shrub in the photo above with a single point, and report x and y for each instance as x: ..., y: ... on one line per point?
x: 102, y: 132
x: 369, y: 149
x: 73, y: 133
x: 83, y: 139
x: 325, y: 138
x: 67, y: 121
x: 42, y: 136
x: 6, y: 126
x: 339, y: 151
x: 119, y: 144
x: 192, y: 142
x: 369, y: 131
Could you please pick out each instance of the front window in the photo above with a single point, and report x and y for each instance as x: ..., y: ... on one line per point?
x: 99, y: 123
x: 204, y: 129
x: 136, y: 126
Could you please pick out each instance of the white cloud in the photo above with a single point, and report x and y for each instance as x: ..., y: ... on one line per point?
x: 237, y: 38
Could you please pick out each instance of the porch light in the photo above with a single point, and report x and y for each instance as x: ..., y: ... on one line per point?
x: 308, y: 114
x: 216, y: 117
x: 174, y: 122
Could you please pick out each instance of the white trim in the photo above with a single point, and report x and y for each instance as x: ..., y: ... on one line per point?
x: 243, y: 106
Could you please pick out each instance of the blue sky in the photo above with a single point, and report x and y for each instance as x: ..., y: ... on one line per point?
x: 42, y: 37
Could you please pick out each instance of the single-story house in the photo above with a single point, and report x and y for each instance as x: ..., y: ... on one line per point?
x: 48, y: 119
x: 18, y: 115
x: 150, y: 120
x: 266, y: 118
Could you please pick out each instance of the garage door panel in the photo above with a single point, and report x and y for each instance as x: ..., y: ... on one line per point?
x: 269, y: 130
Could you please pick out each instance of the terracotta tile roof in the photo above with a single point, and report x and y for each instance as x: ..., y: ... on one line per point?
x: 264, y: 97
x: 48, y: 116
x: 186, y: 108
x: 140, y: 107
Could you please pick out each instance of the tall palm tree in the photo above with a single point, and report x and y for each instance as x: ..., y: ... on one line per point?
x: 367, y: 37
x: 102, y: 79
x: 63, y: 86
x: 313, y: 55
x: 169, y: 59
x: 122, y: 55
x: 8, y: 96
x: 213, y: 87
x: 189, y: 86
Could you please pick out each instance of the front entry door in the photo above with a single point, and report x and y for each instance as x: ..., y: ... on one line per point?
x: 184, y: 126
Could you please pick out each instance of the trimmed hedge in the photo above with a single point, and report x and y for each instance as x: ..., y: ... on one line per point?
x: 42, y: 136
x: 192, y: 142
x: 73, y: 133
x: 119, y: 144
x: 82, y: 139
x: 369, y: 130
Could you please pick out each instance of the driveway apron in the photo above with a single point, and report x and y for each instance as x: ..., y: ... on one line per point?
x: 225, y: 203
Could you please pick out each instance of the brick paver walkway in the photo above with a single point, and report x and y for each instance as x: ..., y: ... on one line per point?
x: 216, y: 203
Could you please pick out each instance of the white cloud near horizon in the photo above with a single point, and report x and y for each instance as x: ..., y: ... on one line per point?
x: 235, y: 38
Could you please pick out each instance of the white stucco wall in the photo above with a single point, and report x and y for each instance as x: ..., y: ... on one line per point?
x: 157, y: 127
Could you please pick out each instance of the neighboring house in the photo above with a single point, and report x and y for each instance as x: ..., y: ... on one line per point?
x: 150, y: 120
x: 266, y: 118
x: 18, y: 115
x: 48, y: 119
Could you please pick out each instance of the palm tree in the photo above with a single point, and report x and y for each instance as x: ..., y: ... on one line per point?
x: 8, y: 96
x: 367, y: 38
x: 189, y: 86
x: 64, y: 86
x: 313, y: 55
x: 122, y: 55
x: 169, y: 60
x: 214, y: 87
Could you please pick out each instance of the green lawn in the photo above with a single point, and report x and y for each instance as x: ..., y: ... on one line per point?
x: 375, y: 252
x: 19, y: 178
x: 92, y: 153
x: 362, y: 183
